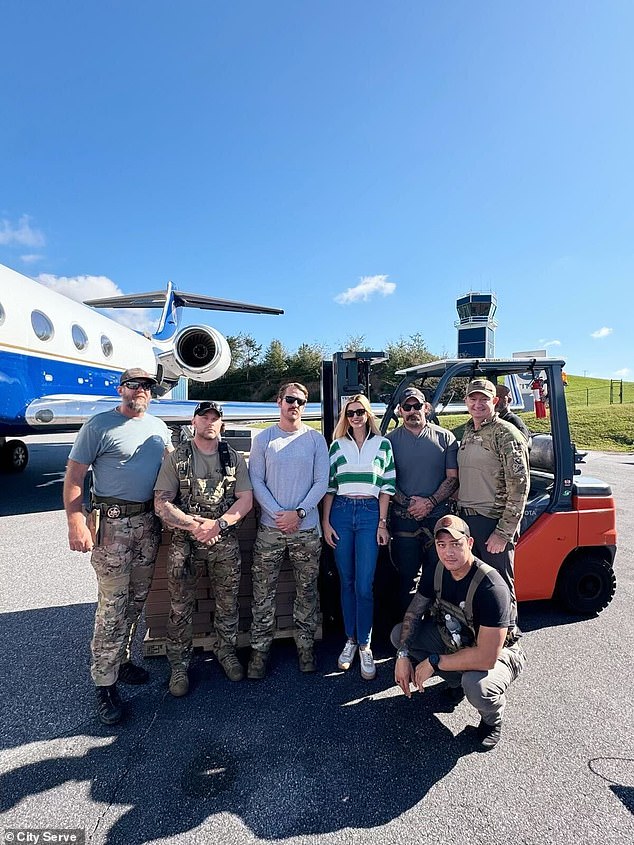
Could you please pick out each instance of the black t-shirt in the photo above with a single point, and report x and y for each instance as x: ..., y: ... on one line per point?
x: 491, y: 600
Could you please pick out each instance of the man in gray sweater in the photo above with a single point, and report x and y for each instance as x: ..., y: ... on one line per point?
x: 288, y: 467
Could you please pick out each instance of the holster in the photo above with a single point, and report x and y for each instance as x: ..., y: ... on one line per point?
x: 93, y: 522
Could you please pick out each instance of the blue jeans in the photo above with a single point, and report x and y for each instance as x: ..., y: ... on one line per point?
x: 356, y: 522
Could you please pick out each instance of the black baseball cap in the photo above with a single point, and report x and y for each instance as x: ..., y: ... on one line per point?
x: 203, y: 407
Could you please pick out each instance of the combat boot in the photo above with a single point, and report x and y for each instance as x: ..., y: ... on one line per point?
x: 179, y: 682
x: 307, y: 662
x: 109, y: 707
x: 257, y: 664
x: 130, y: 673
x: 232, y: 666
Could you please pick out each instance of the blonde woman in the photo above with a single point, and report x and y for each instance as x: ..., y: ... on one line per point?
x: 362, y: 479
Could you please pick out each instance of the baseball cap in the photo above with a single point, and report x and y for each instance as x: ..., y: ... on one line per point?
x: 453, y: 525
x: 411, y: 391
x: 135, y: 373
x: 481, y: 385
x: 203, y: 407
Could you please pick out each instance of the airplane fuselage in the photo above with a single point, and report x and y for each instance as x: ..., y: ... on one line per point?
x: 50, y: 344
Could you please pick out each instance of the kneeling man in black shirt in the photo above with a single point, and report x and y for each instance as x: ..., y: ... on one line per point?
x: 461, y: 625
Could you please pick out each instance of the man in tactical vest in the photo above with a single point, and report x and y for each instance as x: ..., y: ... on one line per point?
x: 494, y: 476
x: 202, y: 492
x: 461, y: 625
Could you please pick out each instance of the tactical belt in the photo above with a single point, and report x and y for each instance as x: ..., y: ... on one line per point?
x: 469, y: 512
x: 117, y: 508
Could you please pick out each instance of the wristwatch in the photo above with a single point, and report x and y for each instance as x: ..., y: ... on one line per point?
x: 301, y: 513
x: 223, y: 525
x: 434, y: 660
x: 402, y: 652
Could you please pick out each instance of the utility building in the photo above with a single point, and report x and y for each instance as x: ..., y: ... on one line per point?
x: 476, y: 325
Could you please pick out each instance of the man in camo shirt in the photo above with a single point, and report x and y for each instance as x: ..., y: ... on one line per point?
x: 494, y: 479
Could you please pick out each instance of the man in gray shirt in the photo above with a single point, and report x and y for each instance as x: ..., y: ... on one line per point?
x: 426, y: 462
x: 288, y: 467
x: 125, y: 448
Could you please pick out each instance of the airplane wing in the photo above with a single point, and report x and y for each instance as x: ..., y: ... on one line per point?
x: 180, y: 299
x: 69, y: 412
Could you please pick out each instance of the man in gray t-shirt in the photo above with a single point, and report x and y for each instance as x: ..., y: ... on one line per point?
x: 125, y: 448
x: 288, y: 467
x: 426, y: 462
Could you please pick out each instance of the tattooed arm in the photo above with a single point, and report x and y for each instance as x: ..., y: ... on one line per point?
x: 404, y: 674
x: 169, y: 514
x: 413, y: 615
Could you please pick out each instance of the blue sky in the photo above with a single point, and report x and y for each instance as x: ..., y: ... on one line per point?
x: 286, y: 153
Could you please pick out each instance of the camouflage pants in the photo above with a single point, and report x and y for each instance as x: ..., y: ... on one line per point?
x: 124, y: 564
x: 304, y: 549
x: 222, y: 563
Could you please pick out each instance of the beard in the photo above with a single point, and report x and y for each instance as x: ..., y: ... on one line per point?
x: 138, y: 404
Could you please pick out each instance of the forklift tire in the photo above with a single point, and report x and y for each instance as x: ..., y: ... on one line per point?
x: 586, y: 584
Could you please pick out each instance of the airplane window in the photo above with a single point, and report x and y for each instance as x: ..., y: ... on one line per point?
x: 106, y: 346
x: 80, y: 338
x: 1, y: 314
x: 42, y: 326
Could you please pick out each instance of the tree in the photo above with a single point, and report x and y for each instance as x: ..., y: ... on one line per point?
x: 355, y: 343
x: 275, y: 360
x: 305, y: 364
x: 252, y: 351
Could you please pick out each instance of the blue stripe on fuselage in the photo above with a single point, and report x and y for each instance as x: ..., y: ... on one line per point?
x: 24, y: 378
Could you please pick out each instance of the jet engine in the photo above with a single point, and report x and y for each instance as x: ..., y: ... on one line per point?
x: 199, y: 353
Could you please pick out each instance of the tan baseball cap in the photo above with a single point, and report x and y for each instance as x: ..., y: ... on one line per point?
x: 135, y: 373
x: 481, y: 385
x: 452, y: 525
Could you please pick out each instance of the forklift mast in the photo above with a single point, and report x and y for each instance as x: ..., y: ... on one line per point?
x: 346, y: 375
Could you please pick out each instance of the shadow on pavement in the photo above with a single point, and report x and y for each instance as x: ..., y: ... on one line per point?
x: 39, y: 487
x: 292, y: 755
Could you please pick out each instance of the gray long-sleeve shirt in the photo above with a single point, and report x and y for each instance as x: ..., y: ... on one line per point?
x: 289, y: 470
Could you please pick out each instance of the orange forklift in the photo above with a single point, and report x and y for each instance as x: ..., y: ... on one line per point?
x: 567, y: 538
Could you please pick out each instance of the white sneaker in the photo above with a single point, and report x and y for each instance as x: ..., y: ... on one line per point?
x: 347, y: 655
x: 366, y: 659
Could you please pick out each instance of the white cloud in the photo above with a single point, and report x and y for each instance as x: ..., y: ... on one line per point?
x: 367, y: 287
x: 622, y: 373
x: 20, y: 234
x: 31, y: 259
x: 548, y: 343
x: 602, y: 332
x: 81, y: 288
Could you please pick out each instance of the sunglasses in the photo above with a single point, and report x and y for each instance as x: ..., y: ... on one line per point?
x: 135, y: 385
x: 358, y: 412
x: 291, y: 400
x: 415, y: 406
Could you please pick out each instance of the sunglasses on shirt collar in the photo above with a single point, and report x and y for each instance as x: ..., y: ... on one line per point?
x: 291, y: 400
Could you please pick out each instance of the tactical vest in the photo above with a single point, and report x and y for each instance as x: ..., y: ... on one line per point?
x: 463, y: 613
x: 189, y: 500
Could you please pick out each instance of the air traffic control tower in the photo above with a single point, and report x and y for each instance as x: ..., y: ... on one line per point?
x: 476, y: 326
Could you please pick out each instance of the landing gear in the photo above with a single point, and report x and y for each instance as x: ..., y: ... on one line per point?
x: 14, y: 455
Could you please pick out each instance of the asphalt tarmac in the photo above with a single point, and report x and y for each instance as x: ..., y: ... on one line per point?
x: 327, y: 758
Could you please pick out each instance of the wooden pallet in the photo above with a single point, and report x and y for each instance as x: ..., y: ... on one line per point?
x: 157, y: 647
